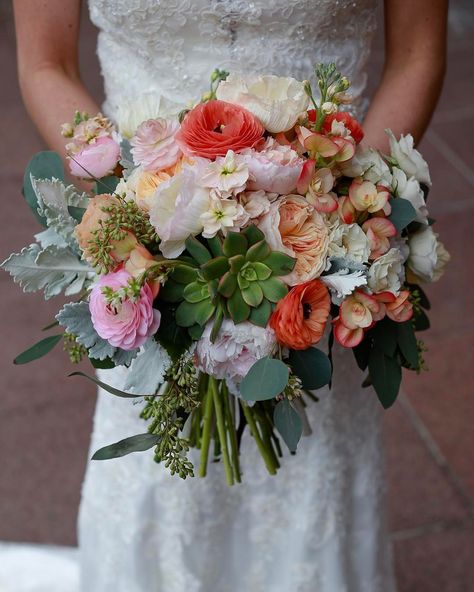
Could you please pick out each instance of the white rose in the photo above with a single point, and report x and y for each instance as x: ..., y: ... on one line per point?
x: 349, y: 241
x: 367, y: 163
x: 276, y: 101
x: 408, y: 158
x: 409, y: 189
x: 386, y: 273
x: 428, y: 256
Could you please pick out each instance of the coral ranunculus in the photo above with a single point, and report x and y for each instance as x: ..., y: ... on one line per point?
x: 300, y: 317
x: 211, y: 129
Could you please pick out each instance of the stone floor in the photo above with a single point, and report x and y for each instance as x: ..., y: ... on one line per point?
x: 45, y: 418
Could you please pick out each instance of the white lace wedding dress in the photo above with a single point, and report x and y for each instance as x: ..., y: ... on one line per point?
x: 319, y: 525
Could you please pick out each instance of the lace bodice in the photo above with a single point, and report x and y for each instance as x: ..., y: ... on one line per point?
x: 172, y: 46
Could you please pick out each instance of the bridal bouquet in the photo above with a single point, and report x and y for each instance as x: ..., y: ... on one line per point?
x: 218, y: 247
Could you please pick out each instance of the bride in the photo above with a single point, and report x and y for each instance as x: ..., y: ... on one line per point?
x: 320, y: 524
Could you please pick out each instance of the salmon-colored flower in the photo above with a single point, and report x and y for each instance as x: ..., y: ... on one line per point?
x: 349, y: 122
x: 347, y: 211
x: 140, y: 259
x: 300, y: 317
x: 365, y: 196
x: 379, y: 231
x: 336, y: 149
x: 211, y: 129
x: 401, y: 309
x: 293, y: 226
x: 356, y: 314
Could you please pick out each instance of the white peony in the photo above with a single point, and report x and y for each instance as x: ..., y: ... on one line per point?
x: 349, y: 241
x: 428, y: 256
x: 276, y: 101
x: 387, y: 273
x: 234, y: 351
x: 408, y: 158
x: 176, y: 209
x: 408, y: 188
x: 145, y: 106
x: 369, y: 164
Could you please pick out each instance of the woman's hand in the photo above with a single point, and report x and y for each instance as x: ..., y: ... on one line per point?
x: 415, y: 63
x: 47, y: 45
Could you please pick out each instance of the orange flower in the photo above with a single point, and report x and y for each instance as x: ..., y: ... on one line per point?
x: 357, y: 313
x: 300, y: 317
x: 401, y: 309
x: 213, y: 128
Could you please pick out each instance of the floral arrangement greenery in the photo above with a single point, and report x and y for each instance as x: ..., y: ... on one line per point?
x: 220, y: 244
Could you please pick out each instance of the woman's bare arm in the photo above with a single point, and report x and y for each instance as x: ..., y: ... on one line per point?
x: 47, y: 41
x: 415, y: 63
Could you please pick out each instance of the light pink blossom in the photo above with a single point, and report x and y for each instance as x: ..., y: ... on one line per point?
x: 96, y: 160
x: 154, y: 144
x: 124, y: 323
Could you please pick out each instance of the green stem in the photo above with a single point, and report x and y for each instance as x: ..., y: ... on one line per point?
x: 230, y: 421
x: 271, y: 468
x: 221, y: 430
x: 266, y: 437
x: 206, y: 432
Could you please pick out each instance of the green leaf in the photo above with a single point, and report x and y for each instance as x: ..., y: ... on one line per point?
x: 238, y: 309
x: 402, y: 213
x: 196, y: 292
x: 263, y: 272
x: 106, y: 364
x: 386, y: 376
x: 186, y: 314
x: 408, y: 344
x: 106, y: 184
x: 235, y: 243
x: 258, y: 252
x: 204, y: 311
x: 266, y: 379
x: 385, y: 336
x: 217, y: 324
x: 75, y: 317
x: 424, y: 301
x: 197, y: 250
x: 53, y: 269
x: 172, y: 291
x: 137, y: 443
x: 260, y: 315
x: 44, y: 165
x: 420, y: 320
x: 227, y: 284
x: 76, y: 213
x: 253, y: 295
x: 196, y: 332
x: 215, y: 268
x: 288, y: 422
x: 273, y: 289
x: 38, y: 350
x: 106, y: 387
x: 184, y: 274
x: 170, y: 335
x: 361, y: 353
x: 312, y: 366
x: 280, y: 263
x: 215, y: 246
x: 253, y: 234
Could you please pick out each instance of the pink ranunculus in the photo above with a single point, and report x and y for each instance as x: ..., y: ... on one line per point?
x: 96, y: 160
x: 154, y: 144
x: 273, y: 167
x: 125, y: 323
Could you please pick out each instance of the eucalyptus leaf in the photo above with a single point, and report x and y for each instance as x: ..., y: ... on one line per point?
x: 402, y: 213
x: 266, y: 379
x: 106, y: 387
x: 408, y: 344
x: 312, y: 366
x: 288, y: 422
x: 106, y: 184
x: 38, y: 350
x: 386, y: 375
x: 137, y: 443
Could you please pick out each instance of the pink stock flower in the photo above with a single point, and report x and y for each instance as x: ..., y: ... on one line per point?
x: 125, y: 323
x: 96, y: 160
x: 273, y: 167
x: 379, y: 231
x: 154, y: 144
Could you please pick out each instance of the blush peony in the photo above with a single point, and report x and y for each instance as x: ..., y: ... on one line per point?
x: 300, y: 317
x: 296, y: 228
x: 154, y: 146
x: 124, y: 323
x: 211, y: 129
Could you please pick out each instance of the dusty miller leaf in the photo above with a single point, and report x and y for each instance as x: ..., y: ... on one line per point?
x: 147, y: 369
x: 52, y: 269
x: 75, y: 317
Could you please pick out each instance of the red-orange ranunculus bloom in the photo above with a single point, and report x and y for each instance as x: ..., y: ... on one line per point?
x: 300, y: 317
x: 213, y: 128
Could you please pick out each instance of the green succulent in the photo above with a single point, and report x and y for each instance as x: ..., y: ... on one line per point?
x: 236, y: 278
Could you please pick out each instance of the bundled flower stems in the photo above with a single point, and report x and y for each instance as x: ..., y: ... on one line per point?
x: 219, y: 244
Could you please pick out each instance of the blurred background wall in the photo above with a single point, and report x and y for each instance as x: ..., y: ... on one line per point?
x: 46, y: 418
